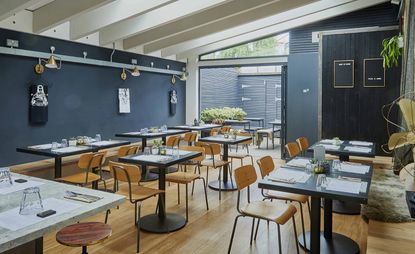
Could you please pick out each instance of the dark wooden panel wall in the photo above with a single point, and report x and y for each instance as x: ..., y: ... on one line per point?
x: 355, y: 113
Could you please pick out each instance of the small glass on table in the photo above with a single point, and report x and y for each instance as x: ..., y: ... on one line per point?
x: 31, y: 202
x: 5, y: 178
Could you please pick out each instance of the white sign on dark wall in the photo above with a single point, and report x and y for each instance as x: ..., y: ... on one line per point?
x: 124, y: 100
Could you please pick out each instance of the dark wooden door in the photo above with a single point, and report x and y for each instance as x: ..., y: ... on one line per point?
x: 355, y: 113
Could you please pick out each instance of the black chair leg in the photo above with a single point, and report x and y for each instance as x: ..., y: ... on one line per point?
x: 84, y: 250
x: 302, y: 224
x: 135, y: 213
x: 178, y: 193
x: 252, y: 230
x: 233, y: 233
x: 279, y: 238
x: 187, y: 204
x: 206, y: 198
x: 138, y: 229
x: 106, y: 215
x: 256, y: 231
x: 295, y: 236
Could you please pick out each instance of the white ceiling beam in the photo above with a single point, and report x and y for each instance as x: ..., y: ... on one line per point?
x: 289, y: 20
x: 192, y: 22
x: 155, y: 18
x: 106, y: 15
x: 238, y: 19
x: 10, y: 7
x: 60, y: 11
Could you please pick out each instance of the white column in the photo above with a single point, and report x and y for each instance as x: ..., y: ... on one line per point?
x: 192, y: 90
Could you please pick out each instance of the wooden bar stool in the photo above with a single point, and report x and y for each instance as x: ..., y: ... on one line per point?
x: 84, y: 235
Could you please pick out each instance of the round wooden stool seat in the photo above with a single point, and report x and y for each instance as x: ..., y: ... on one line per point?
x: 83, y: 234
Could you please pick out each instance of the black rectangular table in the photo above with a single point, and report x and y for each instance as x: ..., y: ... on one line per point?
x: 323, y: 242
x: 147, y: 175
x: 202, y: 128
x: 59, y: 155
x: 345, y: 154
x: 226, y: 185
x: 339, y: 206
x: 150, y: 135
x: 161, y: 222
x: 243, y: 123
x: 261, y: 121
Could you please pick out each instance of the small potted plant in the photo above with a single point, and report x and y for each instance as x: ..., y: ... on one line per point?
x: 234, y: 133
x: 156, y: 146
x: 337, y: 141
x: 392, y: 50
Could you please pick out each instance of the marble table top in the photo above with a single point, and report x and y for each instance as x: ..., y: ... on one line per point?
x: 50, y: 189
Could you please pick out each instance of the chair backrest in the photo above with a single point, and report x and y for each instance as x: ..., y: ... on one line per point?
x: 245, y: 176
x: 302, y: 143
x: 245, y: 134
x: 225, y: 129
x: 214, y: 131
x: 190, y: 137
x: 91, y: 160
x: 125, y: 172
x: 128, y: 150
x: 212, y: 149
x: 292, y: 149
x: 266, y: 165
x: 173, y: 141
x: 195, y: 149
x: 200, y: 143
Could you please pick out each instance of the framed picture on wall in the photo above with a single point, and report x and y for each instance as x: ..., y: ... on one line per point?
x: 373, y: 72
x: 343, y: 73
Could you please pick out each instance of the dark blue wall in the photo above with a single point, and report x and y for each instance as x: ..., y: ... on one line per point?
x: 302, y: 111
x: 83, y: 99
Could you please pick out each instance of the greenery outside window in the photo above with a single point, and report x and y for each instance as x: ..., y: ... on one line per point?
x: 272, y: 46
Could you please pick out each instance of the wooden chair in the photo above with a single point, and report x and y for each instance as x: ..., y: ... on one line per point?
x: 225, y: 129
x: 131, y: 175
x: 84, y: 234
x: 292, y: 149
x: 90, y: 163
x: 214, y: 131
x: 190, y: 138
x: 173, y: 141
x: 261, y: 210
x: 302, y: 144
x: 122, y: 151
x: 242, y: 156
x: 185, y: 177
x: 214, y: 150
x: 266, y: 166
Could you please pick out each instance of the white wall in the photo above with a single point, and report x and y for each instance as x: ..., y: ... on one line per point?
x: 192, y: 90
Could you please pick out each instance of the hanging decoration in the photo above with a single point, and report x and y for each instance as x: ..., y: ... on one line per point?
x: 38, y: 103
x: 124, y: 100
x: 173, y: 101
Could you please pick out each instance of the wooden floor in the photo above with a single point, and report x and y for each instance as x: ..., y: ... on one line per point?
x: 206, y: 231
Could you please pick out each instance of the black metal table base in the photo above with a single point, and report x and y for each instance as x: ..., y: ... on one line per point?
x: 149, y: 177
x: 339, y: 244
x: 225, y: 186
x: 154, y: 224
x: 347, y: 208
x: 169, y: 170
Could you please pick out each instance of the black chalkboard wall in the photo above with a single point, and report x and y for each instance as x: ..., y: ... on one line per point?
x: 355, y: 113
x: 83, y: 99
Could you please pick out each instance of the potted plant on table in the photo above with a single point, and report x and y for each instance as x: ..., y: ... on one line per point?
x: 157, y: 144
